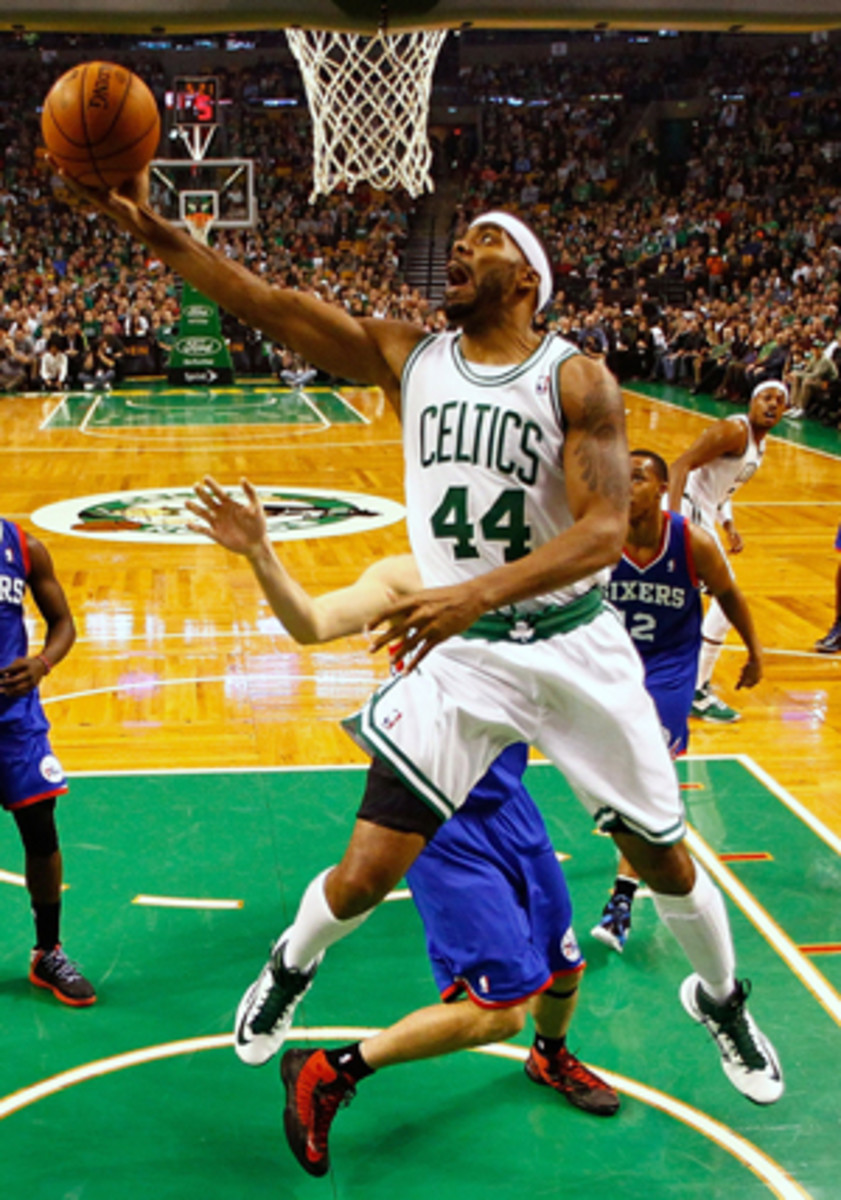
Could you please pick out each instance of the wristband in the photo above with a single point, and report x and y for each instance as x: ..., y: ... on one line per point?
x: 42, y: 658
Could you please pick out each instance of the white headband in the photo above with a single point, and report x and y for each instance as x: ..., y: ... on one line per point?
x: 530, y: 247
x: 777, y: 384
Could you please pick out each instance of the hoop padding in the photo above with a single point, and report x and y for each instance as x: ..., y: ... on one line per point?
x: 369, y: 102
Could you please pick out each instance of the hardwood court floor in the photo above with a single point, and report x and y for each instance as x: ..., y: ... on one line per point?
x: 179, y: 665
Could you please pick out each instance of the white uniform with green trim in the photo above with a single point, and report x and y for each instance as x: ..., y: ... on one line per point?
x: 485, y: 485
x: 710, y: 488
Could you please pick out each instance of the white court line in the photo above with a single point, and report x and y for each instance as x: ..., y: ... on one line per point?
x: 11, y: 877
x: 53, y: 411
x: 148, y: 686
x: 769, y: 1172
x: 185, y: 902
x: 167, y: 445
x: 338, y: 395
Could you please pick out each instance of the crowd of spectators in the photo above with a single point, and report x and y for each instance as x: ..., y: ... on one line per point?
x: 711, y: 267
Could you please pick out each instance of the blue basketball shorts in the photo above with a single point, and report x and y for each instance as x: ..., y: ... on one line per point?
x: 494, y: 904
x: 29, y: 771
x: 673, y: 700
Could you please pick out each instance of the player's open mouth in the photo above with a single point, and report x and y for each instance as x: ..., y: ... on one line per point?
x: 457, y: 275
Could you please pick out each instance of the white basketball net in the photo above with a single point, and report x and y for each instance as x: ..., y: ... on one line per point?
x: 369, y: 102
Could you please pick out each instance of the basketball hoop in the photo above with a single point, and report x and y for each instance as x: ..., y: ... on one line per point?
x: 369, y: 102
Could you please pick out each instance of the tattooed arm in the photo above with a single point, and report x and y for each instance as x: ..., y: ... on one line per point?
x: 598, y: 487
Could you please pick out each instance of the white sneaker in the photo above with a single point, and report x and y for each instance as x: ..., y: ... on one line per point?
x: 265, y: 1012
x: 747, y: 1057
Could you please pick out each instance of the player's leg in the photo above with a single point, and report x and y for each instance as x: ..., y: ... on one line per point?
x: 633, y: 794
x: 706, y: 706
x: 615, y: 922
x: 697, y: 917
x: 319, y: 1082
x: 31, y: 778
x: 392, y: 828
x: 546, y: 902
x: 830, y: 643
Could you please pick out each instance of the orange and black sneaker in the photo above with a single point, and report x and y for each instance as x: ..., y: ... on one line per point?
x: 567, y: 1075
x: 315, y: 1092
x: 52, y: 969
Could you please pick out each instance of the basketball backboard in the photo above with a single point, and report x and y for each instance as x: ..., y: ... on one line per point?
x: 230, y: 181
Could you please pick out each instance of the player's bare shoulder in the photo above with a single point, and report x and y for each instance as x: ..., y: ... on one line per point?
x: 394, y: 339
x: 590, y: 396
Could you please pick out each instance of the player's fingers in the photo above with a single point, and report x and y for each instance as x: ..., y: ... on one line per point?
x: 216, y: 488
x: 249, y: 491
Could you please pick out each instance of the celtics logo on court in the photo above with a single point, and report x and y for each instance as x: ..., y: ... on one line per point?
x: 162, y: 515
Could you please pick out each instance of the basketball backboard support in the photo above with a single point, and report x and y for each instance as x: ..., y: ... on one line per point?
x: 229, y: 180
x: 367, y: 16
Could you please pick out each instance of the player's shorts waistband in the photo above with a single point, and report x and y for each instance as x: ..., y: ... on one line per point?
x: 539, y: 625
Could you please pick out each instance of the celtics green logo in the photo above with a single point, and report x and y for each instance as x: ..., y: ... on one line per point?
x: 162, y: 515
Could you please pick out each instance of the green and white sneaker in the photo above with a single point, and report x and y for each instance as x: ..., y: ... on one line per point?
x: 706, y: 706
x: 747, y: 1057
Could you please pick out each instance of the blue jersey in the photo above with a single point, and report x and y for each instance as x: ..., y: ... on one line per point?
x: 22, y: 716
x: 661, y: 606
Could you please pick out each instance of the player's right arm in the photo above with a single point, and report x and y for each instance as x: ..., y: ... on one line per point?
x: 241, y: 528
x: 714, y: 572
x: 725, y: 437
x: 363, y: 351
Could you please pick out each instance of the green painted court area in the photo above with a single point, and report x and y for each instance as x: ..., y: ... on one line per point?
x: 159, y: 404
x: 468, y: 1126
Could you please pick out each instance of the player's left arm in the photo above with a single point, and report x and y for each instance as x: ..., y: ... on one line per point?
x: 595, y: 460
x: 24, y: 674
x: 714, y: 572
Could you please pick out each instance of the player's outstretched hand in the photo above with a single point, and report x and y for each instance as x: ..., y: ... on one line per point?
x: 123, y: 204
x: 412, y: 626
x: 239, y: 527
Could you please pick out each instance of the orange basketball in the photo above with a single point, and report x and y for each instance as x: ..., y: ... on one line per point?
x: 100, y: 123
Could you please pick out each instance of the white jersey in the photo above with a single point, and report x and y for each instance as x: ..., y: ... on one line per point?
x: 710, y: 487
x: 483, y: 453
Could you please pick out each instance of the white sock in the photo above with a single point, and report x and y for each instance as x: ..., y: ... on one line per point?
x: 699, y: 922
x: 315, y: 928
x: 714, y: 631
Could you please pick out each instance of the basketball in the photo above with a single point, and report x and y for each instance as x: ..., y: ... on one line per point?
x: 100, y: 124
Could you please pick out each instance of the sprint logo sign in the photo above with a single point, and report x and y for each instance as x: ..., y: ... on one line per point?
x: 162, y: 516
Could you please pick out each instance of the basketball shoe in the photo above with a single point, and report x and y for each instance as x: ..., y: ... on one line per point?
x: 265, y: 1012
x: 615, y: 923
x: 830, y: 643
x: 706, y: 706
x: 52, y: 969
x: 567, y: 1075
x: 315, y: 1092
x: 747, y: 1057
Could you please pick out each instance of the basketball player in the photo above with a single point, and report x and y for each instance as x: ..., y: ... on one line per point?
x: 30, y: 775
x: 656, y: 586
x: 517, y: 499
x: 702, y: 484
x: 489, y: 889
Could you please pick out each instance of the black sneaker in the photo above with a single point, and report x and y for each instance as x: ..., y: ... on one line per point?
x: 315, y: 1092
x: 830, y: 643
x: 615, y: 923
x: 265, y: 1012
x: 568, y: 1075
x: 747, y: 1057
x: 52, y: 969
